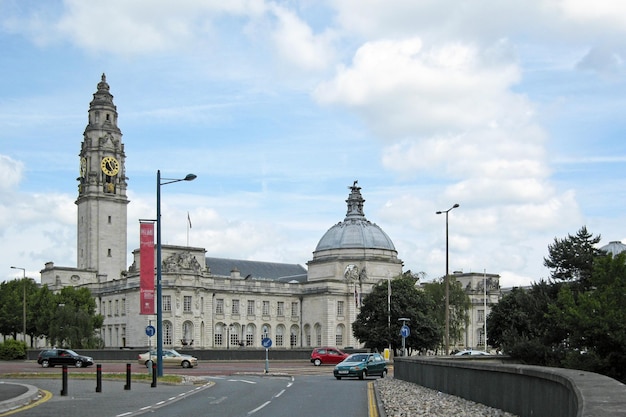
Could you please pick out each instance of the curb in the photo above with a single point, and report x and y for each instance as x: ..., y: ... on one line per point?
x: 31, y: 394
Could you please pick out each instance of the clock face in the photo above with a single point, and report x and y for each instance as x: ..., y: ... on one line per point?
x: 110, y: 166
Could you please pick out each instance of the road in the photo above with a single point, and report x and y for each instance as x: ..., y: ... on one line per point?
x: 225, y: 390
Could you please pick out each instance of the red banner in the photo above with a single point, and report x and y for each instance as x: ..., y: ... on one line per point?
x: 146, y: 268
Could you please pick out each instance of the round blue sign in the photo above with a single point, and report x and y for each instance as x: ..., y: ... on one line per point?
x: 150, y: 330
x: 405, y: 331
x: 266, y: 342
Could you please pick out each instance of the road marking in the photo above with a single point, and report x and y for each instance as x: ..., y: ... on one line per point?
x: 371, y: 400
x: 46, y: 395
x: 259, y: 407
x: 279, y: 394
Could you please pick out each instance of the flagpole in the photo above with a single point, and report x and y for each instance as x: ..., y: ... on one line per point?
x: 188, y: 227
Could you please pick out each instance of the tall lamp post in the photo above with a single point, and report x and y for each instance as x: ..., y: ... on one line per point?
x: 23, y: 300
x: 189, y: 177
x: 447, y: 279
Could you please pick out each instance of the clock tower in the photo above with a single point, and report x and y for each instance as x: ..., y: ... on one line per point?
x: 102, y: 201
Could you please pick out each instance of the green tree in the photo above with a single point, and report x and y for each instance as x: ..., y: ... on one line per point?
x: 73, y: 321
x: 378, y: 329
x: 459, y: 303
x: 520, y: 325
x: 595, y: 320
x: 571, y: 258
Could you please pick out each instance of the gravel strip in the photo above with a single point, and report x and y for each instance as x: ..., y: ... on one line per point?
x: 405, y: 399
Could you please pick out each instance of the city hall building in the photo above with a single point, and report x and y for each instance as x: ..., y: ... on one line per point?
x: 210, y: 302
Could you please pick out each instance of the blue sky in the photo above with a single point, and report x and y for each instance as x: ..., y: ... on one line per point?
x: 513, y: 111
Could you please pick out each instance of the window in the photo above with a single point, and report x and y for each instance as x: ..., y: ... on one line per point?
x: 481, y: 316
x: 187, y: 303
x: 123, y: 306
x: 294, y: 309
x: 280, y: 332
x: 293, y: 336
x: 219, y: 306
x: 201, y: 304
x: 167, y: 333
x: 235, y: 307
x: 103, y: 307
x: 481, y: 337
x: 109, y: 253
x: 339, y: 335
x: 280, y: 308
x: 250, y: 335
x: 251, y: 307
x: 219, y: 335
x: 110, y: 309
x: 340, y: 308
x: 167, y: 303
x: 117, y: 307
x: 109, y: 219
x: 266, y: 308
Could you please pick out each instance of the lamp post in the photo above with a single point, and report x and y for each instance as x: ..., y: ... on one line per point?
x: 189, y: 177
x: 23, y: 301
x: 447, y: 279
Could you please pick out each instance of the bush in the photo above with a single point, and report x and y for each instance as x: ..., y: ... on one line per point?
x: 12, y: 349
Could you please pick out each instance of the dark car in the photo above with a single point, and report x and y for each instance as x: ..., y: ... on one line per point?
x: 361, y: 365
x: 327, y: 355
x: 52, y: 357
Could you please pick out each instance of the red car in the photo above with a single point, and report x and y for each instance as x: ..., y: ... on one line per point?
x: 327, y: 355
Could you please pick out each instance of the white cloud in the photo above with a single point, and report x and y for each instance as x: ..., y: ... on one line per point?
x: 11, y: 172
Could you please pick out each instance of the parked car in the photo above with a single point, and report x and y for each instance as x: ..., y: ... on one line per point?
x: 361, y: 365
x: 470, y: 352
x: 170, y: 357
x: 52, y: 357
x: 327, y: 355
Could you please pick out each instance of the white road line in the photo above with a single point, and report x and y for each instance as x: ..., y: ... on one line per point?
x: 259, y: 407
x: 279, y: 394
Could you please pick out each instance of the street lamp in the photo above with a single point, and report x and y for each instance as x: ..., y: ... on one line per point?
x: 24, y: 300
x: 447, y: 279
x: 189, y: 177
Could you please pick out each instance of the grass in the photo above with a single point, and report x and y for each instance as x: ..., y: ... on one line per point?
x: 168, y: 379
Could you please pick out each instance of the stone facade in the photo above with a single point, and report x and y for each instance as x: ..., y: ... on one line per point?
x: 202, y: 307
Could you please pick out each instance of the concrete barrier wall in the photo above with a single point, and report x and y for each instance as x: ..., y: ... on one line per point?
x: 526, y: 391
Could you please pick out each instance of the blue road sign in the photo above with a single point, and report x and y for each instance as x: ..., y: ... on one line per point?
x: 266, y: 342
x: 150, y: 330
x: 405, y: 331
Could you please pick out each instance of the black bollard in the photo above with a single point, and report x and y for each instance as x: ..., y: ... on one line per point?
x: 154, y: 375
x: 64, y: 378
x: 127, y: 386
x: 98, y: 378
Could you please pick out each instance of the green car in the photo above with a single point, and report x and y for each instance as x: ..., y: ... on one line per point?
x: 361, y: 365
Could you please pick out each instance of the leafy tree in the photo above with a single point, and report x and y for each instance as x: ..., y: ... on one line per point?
x: 459, y: 303
x: 74, y: 322
x: 595, y: 320
x: 377, y: 329
x: 571, y: 259
x: 520, y: 326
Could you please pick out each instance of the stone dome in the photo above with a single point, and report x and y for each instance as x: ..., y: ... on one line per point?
x: 615, y: 248
x: 355, y: 231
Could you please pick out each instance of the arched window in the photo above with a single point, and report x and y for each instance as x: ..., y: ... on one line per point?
x: 219, y: 335
x: 339, y: 335
x: 167, y: 333
x: 280, y: 335
x: 293, y: 336
x: 250, y: 331
x: 318, y: 334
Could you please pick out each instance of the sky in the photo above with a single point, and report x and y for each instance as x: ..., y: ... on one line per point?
x: 513, y: 110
